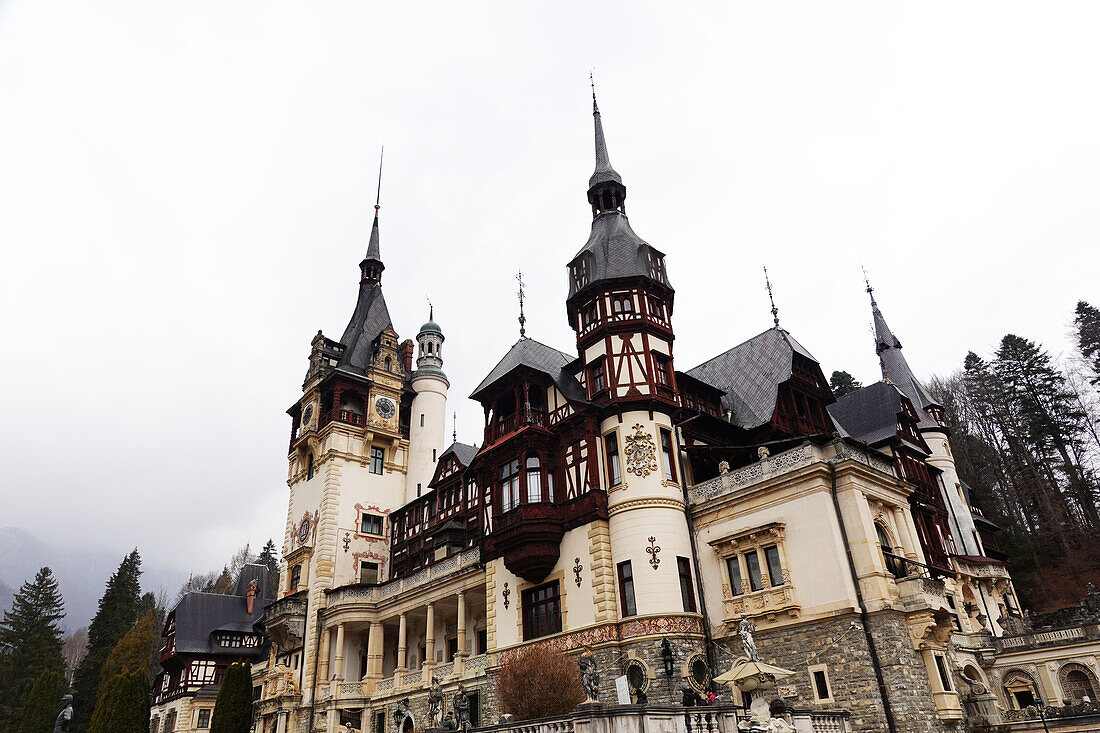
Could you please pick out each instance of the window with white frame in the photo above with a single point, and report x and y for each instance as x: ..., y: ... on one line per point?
x: 819, y: 682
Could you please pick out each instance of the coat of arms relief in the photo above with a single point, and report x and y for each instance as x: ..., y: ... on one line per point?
x: 641, y: 452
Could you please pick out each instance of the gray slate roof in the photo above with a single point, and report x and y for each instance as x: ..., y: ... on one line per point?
x: 198, y: 615
x: 869, y: 414
x: 750, y: 374
x: 614, y: 251
x: 463, y: 452
x: 370, y: 318
x: 373, y: 251
x: 604, y: 172
x: 896, y: 369
x: 540, y: 357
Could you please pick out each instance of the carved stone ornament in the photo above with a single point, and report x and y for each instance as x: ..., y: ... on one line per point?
x: 641, y: 452
x: 762, y: 452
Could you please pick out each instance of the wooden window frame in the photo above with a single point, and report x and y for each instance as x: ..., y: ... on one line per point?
x: 532, y: 619
x: 668, y: 453
x: 628, y: 605
x: 613, y: 466
x: 687, y: 587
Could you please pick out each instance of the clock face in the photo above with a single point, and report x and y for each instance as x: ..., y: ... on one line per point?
x: 303, y: 531
x: 307, y: 414
x: 385, y: 407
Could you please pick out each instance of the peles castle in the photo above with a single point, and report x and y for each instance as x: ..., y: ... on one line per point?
x: 622, y: 504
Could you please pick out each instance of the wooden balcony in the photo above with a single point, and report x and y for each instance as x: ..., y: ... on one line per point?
x: 344, y: 416
x: 514, y: 422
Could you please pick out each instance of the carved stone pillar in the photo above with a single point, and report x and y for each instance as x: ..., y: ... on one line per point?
x: 338, y: 660
x: 429, y: 637
x: 402, y: 646
x: 462, y: 623
x: 375, y: 643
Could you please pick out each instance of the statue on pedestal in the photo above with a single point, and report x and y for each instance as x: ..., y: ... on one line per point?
x: 590, y: 676
x: 745, y: 628
x: 435, y: 703
x: 461, y: 704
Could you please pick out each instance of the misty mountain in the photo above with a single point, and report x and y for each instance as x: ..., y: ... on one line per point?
x: 82, y: 575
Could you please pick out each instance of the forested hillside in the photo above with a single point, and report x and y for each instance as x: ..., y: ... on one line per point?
x: 1025, y: 435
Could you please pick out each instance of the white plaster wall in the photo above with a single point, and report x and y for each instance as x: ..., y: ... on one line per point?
x: 431, y: 402
x: 962, y: 522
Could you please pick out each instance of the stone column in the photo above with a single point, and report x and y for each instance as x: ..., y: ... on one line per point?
x: 429, y: 637
x: 324, y: 651
x: 280, y: 722
x: 402, y: 646
x: 376, y: 640
x: 338, y: 661
x: 462, y: 623
x: 905, y: 537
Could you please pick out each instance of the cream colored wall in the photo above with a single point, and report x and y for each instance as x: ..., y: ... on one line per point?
x: 1045, y: 664
x: 431, y: 402
x: 645, y: 506
x: 812, y: 545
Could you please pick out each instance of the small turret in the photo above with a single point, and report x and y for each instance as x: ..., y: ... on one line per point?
x: 429, y: 408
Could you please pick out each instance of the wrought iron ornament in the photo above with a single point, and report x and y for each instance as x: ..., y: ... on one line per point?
x: 505, y: 593
x: 347, y: 541
x: 577, y: 570
x: 653, y: 549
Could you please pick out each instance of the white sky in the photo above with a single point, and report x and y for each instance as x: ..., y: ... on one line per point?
x: 186, y: 190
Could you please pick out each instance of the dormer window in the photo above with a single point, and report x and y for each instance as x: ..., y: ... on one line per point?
x: 621, y: 305
x: 580, y: 273
x: 598, y: 377
x: 655, y: 265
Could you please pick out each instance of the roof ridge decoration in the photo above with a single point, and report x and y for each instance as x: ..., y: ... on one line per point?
x: 604, y: 172
x: 775, y: 311
x: 373, y: 251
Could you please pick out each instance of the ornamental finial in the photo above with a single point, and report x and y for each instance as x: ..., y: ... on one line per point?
x: 867, y: 282
x: 775, y: 311
x: 522, y: 319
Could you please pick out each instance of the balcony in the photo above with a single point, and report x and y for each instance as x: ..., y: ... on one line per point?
x: 285, y: 621
x: 345, y: 416
x: 509, y: 424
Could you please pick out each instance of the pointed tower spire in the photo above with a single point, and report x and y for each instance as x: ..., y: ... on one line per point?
x: 522, y: 318
x: 775, y: 311
x: 372, y: 266
x: 606, y: 191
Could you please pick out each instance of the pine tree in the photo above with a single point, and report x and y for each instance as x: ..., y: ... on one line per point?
x: 1087, y: 321
x: 131, y: 653
x: 233, y: 708
x: 843, y: 383
x: 30, y: 643
x: 42, y: 704
x: 269, y: 557
x: 125, y: 705
x: 118, y: 610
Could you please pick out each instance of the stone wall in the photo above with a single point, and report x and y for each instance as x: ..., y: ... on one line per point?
x: 850, y: 672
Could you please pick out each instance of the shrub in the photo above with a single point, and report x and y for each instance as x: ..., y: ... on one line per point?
x: 539, y: 683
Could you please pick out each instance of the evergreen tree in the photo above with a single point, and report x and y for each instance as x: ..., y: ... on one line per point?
x: 131, y: 653
x: 233, y: 708
x: 42, y: 704
x: 1087, y: 321
x: 118, y: 610
x: 30, y: 643
x: 125, y: 705
x: 843, y: 383
x: 269, y: 556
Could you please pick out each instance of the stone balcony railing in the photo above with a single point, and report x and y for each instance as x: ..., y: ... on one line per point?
x: 918, y: 593
x: 781, y: 463
x: 664, y: 719
x: 357, y: 593
x: 463, y: 668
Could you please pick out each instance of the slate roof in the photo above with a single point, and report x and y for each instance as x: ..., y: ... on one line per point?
x: 373, y: 251
x: 370, y: 319
x: 542, y: 358
x: 750, y: 374
x: 896, y: 369
x: 614, y: 251
x: 198, y: 615
x: 463, y: 452
x: 604, y: 172
x: 869, y: 414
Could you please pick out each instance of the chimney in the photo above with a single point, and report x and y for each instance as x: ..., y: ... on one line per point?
x: 407, y: 350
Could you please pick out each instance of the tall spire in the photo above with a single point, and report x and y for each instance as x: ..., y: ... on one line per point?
x: 372, y: 266
x: 895, y: 368
x: 775, y: 311
x: 605, y: 187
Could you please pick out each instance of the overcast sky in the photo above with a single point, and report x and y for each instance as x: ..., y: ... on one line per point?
x: 186, y: 190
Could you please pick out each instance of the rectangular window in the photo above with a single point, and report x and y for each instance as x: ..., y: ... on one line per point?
x: 687, y: 593
x: 295, y: 577
x: 660, y: 370
x: 752, y: 564
x: 204, y: 718
x: 379, y: 721
x: 422, y: 419
x: 509, y: 486
x: 775, y: 568
x: 655, y: 308
x: 626, y: 590
x: 368, y: 572
x: 598, y: 377
x: 170, y: 721
x: 482, y: 636
x: 371, y: 524
x: 666, y: 452
x: 452, y: 649
x: 377, y: 458
x: 541, y: 611
x: 474, y: 711
x: 945, y: 678
x: 733, y: 567
x: 820, y: 676
x: 534, y: 480
x: 611, y: 446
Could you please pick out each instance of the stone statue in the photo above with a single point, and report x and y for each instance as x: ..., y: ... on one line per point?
x: 745, y: 628
x: 435, y: 702
x: 449, y: 722
x: 590, y: 676
x: 762, y: 452
x: 61, y: 725
x: 461, y: 704
x: 400, y: 713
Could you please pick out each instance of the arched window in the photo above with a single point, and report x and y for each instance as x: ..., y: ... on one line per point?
x: 1020, y: 690
x: 389, y: 364
x: 893, y: 565
x: 534, y: 480
x: 309, y: 467
x: 1077, y: 683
